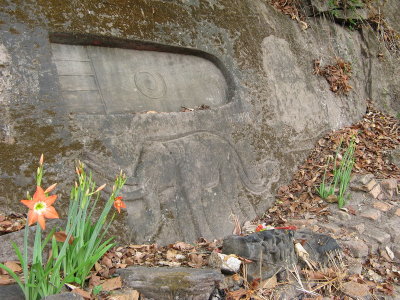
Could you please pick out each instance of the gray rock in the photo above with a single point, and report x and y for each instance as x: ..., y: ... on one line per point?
x: 320, y: 6
x: 7, y: 252
x: 176, y: 283
x: 358, y: 248
x: 64, y: 296
x: 271, y: 251
x: 317, y: 245
x: 394, y: 157
x: 187, y: 171
x: 351, y: 15
x: 378, y: 235
x: 11, y: 292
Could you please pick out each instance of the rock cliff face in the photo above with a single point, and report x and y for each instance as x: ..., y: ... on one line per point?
x: 188, y: 171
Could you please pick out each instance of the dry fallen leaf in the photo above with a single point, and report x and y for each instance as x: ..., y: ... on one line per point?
x: 82, y: 293
x: 61, y: 236
x: 112, y: 284
x: 94, y: 281
x: 126, y: 295
x: 182, y: 246
x: 14, y: 266
x: 6, y: 279
x: 106, y: 261
x: 171, y: 254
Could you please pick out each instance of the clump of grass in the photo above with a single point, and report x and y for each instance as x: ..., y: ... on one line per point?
x: 341, y: 175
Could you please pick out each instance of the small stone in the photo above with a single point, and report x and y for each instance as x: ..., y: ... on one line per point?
x: 355, y: 289
x: 384, y: 254
x: 370, y: 185
x: 373, y: 247
x: 389, y: 186
x: 382, y: 197
x: 378, y: 235
x: 382, y: 206
x: 358, y: 227
x: 331, y: 227
x: 375, y: 276
x: 396, y: 252
x: 363, y: 182
x: 358, y: 248
x: 389, y: 252
x: 354, y: 266
x: 394, y: 156
x: 376, y: 190
x: 397, y: 213
x: 372, y: 214
x: 344, y: 216
x: 231, y: 282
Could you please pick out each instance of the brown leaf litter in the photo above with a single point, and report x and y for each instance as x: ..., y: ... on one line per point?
x: 337, y: 74
x: 376, y: 134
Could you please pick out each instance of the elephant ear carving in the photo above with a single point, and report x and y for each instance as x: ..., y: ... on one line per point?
x: 105, y: 169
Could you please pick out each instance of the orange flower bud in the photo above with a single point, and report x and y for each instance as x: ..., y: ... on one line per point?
x: 100, y: 188
x: 50, y: 188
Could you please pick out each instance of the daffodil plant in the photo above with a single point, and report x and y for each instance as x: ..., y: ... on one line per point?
x: 75, y: 250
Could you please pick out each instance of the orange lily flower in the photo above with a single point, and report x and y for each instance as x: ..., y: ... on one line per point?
x: 40, y: 208
x: 118, y: 204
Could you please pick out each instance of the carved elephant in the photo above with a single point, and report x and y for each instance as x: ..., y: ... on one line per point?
x: 186, y: 187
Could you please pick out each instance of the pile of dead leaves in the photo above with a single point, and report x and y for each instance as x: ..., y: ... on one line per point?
x: 386, y: 34
x: 290, y: 8
x: 376, y: 134
x: 11, y: 223
x: 337, y: 74
x: 178, y: 254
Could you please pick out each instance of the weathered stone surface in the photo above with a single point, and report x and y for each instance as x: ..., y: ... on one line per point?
x: 331, y: 227
x: 382, y: 206
x: 187, y: 171
x: 375, y: 191
x: 360, y: 228
x: 317, y: 245
x: 355, y: 289
x: 394, y: 157
x: 64, y: 296
x: 7, y: 252
x: 126, y: 80
x: 372, y: 214
x: 378, y: 235
x: 273, y: 249
x: 354, y: 266
x: 11, y: 292
x: 362, y: 182
x: 358, y: 248
x: 177, y: 283
x: 389, y: 186
x: 352, y: 15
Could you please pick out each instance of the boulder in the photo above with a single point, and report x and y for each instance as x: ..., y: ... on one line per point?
x: 105, y: 83
x: 271, y: 251
x: 7, y: 252
x: 318, y: 246
x: 11, y: 292
x: 176, y: 283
